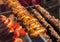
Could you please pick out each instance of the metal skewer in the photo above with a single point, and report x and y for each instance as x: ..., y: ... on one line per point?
x: 43, y: 38
x: 28, y: 39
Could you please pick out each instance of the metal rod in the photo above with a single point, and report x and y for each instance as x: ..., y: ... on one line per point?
x: 43, y: 38
x: 2, y: 13
x: 28, y: 39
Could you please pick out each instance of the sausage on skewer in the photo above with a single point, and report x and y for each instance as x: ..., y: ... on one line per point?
x: 47, y: 15
x: 46, y: 24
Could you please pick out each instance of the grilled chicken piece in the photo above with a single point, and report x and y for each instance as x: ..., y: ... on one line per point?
x: 33, y: 27
x: 1, y: 2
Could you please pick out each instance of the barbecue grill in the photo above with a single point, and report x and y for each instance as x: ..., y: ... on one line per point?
x: 31, y: 9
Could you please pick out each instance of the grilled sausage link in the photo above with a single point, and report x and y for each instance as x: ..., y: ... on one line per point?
x: 50, y: 18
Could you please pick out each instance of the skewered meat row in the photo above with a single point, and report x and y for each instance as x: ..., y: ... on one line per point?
x: 46, y: 24
x: 34, y: 12
x: 7, y: 26
x: 33, y: 27
x: 47, y: 15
